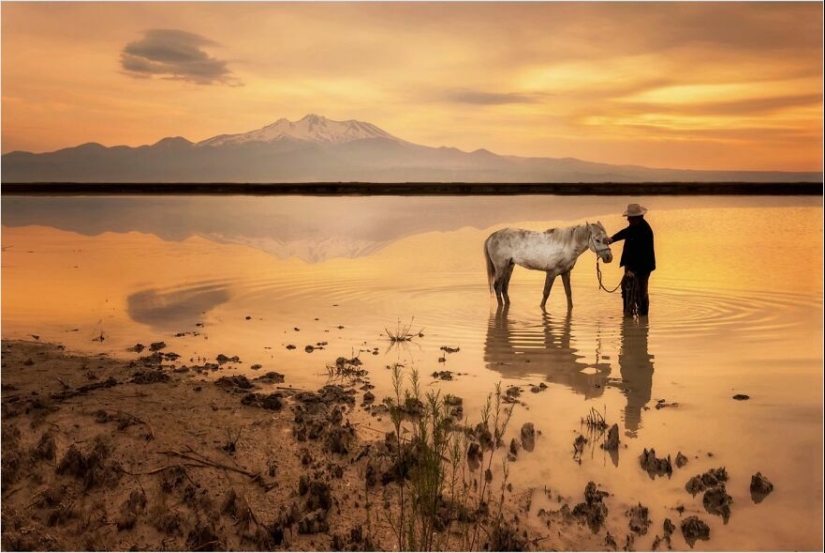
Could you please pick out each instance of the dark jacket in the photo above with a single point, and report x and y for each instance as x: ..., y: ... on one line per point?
x: 637, y: 253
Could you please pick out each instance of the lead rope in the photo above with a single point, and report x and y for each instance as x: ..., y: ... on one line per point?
x: 599, y: 275
x: 632, y: 292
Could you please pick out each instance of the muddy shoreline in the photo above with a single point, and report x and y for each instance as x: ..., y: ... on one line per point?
x: 154, y: 454
x: 109, y: 454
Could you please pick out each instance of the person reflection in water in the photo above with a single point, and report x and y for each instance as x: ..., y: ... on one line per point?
x: 638, y: 260
x: 636, y: 368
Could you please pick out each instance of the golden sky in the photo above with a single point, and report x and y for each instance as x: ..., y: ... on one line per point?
x: 683, y: 85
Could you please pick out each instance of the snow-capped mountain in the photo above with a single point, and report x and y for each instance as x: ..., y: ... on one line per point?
x: 312, y: 128
x: 320, y: 150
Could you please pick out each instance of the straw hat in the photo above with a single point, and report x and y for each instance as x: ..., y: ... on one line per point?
x: 634, y: 210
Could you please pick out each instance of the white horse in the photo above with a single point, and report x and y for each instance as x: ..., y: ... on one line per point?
x: 553, y: 251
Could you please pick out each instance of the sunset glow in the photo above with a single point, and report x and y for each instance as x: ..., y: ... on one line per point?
x: 681, y: 85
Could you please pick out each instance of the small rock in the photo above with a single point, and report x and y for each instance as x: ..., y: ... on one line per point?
x: 717, y: 502
x: 695, y: 485
x: 693, y: 528
x: 681, y: 460
x: 655, y: 466
x: 714, y: 476
x: 662, y: 404
x: 638, y: 519
x: 741, y: 397
x: 668, y: 527
x: 528, y: 436
x: 157, y: 346
x: 593, y: 511
x: 237, y: 381
x: 514, y: 447
x: 271, y: 378
x: 760, y: 487
x: 443, y: 375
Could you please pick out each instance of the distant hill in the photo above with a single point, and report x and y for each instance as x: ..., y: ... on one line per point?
x: 317, y: 149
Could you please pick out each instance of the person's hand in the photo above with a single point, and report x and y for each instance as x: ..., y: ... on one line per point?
x: 608, y: 241
x: 629, y: 273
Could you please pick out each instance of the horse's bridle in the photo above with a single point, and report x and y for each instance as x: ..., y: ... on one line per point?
x: 593, y: 245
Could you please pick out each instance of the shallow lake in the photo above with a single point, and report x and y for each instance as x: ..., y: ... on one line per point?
x: 736, y: 308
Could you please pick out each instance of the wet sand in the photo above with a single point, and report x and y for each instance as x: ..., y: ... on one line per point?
x: 106, y: 454
x: 154, y: 454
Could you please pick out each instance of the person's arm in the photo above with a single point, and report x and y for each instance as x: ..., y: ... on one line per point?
x: 621, y: 235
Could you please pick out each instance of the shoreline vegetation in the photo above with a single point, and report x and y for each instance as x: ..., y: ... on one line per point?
x: 422, y: 188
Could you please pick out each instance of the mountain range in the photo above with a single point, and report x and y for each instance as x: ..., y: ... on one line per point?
x: 317, y: 149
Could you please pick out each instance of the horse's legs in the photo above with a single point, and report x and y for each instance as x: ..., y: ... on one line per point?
x: 548, y: 284
x: 505, y: 286
x: 565, y: 278
x: 497, y: 288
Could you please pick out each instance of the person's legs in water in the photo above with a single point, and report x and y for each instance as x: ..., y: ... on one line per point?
x: 629, y: 295
x: 642, y: 293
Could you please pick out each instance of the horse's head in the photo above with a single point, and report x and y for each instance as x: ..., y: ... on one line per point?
x: 597, y: 242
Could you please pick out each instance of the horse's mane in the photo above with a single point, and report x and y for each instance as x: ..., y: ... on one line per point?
x: 567, y: 235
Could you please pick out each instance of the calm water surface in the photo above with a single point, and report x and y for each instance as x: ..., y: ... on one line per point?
x: 736, y: 307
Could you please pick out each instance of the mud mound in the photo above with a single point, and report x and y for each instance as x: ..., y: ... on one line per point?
x: 760, y: 487
x: 709, y: 479
x: 654, y: 465
x: 528, y: 436
x: 638, y: 522
x: 694, y: 528
x: 593, y: 511
x: 717, y: 502
x: 238, y: 381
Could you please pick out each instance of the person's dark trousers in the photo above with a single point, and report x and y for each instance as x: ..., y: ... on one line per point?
x: 635, y: 294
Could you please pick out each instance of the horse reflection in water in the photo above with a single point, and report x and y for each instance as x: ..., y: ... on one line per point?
x: 636, y: 368
x: 517, y: 349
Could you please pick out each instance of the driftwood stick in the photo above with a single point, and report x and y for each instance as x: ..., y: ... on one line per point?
x: 208, y: 462
x: 149, y: 472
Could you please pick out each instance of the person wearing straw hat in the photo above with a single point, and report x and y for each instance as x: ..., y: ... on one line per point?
x: 638, y: 260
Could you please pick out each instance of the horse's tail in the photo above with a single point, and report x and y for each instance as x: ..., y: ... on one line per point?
x: 491, y: 269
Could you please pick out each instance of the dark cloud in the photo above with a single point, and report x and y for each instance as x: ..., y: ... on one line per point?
x: 177, y: 55
x: 476, y: 97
